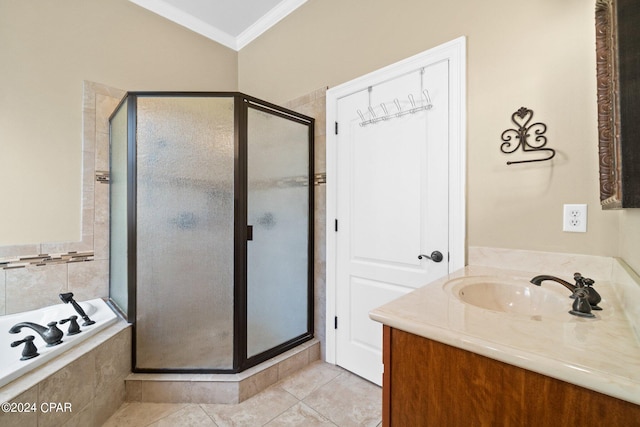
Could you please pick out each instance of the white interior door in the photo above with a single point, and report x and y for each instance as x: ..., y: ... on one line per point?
x: 392, y: 204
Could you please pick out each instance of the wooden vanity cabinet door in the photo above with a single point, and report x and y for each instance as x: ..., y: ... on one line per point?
x: 427, y: 383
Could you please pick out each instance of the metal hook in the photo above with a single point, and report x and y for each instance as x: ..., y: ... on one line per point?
x: 427, y: 98
x: 398, y: 106
x: 386, y: 112
x: 412, y: 101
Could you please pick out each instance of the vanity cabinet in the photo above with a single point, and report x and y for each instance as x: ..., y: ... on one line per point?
x: 427, y: 383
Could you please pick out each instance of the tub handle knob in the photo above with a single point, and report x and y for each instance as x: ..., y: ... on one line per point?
x: 74, y: 328
x: 29, y: 351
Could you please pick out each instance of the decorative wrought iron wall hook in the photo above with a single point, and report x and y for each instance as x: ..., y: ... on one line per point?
x: 521, y: 119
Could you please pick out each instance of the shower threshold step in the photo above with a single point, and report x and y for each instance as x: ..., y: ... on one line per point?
x: 220, y: 388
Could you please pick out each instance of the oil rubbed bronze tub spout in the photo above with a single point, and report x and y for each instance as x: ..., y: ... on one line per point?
x: 51, y: 334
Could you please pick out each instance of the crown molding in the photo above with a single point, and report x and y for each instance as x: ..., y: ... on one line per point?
x: 211, y: 32
x: 267, y: 21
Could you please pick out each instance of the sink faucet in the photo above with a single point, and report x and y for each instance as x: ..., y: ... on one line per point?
x: 584, y: 283
x: 539, y: 279
x: 51, y: 335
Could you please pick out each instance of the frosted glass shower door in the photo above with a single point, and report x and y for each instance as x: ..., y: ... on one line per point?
x: 185, y: 233
x: 118, y: 250
x: 278, y: 212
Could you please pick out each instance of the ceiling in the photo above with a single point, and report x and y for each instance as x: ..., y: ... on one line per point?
x: 233, y: 23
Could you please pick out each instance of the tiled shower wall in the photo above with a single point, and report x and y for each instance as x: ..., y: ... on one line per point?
x: 32, y: 276
x: 314, y: 105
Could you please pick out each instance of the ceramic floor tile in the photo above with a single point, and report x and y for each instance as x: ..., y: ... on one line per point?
x: 300, y: 415
x: 190, y: 416
x: 141, y: 414
x: 307, y: 380
x: 255, y: 411
x: 348, y: 401
x: 319, y: 395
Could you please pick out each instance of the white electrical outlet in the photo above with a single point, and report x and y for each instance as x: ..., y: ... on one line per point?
x: 574, y: 218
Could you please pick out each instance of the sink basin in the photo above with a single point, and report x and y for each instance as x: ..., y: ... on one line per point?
x: 509, y: 295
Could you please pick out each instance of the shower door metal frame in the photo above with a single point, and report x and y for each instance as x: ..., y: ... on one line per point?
x: 242, y: 237
x: 242, y: 103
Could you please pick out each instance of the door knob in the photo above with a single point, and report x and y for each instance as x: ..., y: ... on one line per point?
x: 436, y: 256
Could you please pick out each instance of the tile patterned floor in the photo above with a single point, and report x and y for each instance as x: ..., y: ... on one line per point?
x: 318, y: 395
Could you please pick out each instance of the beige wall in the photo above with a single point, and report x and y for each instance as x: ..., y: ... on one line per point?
x: 630, y: 238
x: 47, y: 49
x: 538, y: 54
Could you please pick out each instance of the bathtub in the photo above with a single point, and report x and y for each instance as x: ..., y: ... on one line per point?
x: 11, y: 367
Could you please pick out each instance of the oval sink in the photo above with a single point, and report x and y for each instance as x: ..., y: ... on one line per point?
x: 509, y: 295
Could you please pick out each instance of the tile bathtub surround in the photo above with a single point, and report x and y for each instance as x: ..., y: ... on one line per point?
x: 88, y: 378
x: 33, y: 287
x: 29, y: 288
x: 46, y: 259
x: 317, y: 395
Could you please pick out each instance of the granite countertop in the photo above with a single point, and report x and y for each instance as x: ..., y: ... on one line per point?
x: 601, y: 354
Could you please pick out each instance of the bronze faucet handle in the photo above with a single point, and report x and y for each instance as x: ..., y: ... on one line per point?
x: 74, y: 328
x: 29, y: 351
x: 582, y: 281
x: 581, y: 306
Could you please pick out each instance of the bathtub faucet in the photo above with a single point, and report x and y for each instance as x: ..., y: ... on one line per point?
x: 29, y: 351
x: 581, y: 283
x: 51, y: 335
x: 68, y: 298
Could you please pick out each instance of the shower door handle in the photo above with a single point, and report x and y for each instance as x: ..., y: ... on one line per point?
x: 249, y: 232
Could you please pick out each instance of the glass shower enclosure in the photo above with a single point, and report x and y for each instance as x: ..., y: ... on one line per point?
x: 211, y: 234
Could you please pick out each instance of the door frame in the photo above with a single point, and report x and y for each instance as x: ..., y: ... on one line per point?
x: 454, y: 52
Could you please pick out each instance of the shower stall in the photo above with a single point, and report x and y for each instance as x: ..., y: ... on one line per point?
x: 211, y: 229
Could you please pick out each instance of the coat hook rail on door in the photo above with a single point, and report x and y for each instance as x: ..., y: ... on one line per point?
x: 425, y: 104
